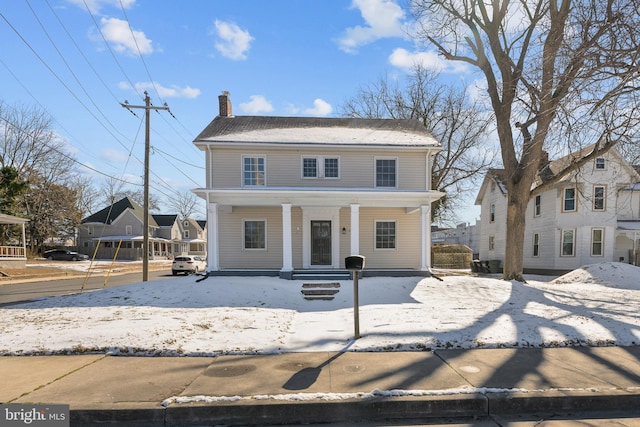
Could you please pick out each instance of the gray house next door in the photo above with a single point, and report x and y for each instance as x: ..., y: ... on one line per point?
x: 320, y: 242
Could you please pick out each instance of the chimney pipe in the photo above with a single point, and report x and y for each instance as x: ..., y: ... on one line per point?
x: 225, y: 104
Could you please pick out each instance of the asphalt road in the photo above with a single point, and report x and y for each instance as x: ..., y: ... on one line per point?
x: 22, y: 292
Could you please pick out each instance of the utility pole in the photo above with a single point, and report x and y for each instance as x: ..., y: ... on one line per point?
x: 145, y: 245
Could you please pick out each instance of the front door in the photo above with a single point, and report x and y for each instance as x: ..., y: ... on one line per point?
x: 320, y: 242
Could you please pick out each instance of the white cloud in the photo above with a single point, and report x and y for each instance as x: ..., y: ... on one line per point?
x: 258, y: 104
x: 174, y: 91
x: 320, y: 108
x: 406, y: 60
x: 112, y: 155
x: 121, y: 36
x: 383, y: 18
x: 233, y: 42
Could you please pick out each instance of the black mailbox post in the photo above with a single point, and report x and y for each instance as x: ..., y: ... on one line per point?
x: 355, y: 264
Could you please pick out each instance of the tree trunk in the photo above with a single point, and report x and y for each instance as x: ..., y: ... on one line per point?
x: 514, y: 250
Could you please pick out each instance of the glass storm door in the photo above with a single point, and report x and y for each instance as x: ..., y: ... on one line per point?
x: 320, y: 242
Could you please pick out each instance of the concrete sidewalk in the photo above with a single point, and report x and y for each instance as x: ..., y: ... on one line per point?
x: 326, y: 387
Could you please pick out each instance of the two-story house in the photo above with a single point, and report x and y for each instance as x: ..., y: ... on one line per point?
x: 591, y: 215
x: 119, y: 227
x: 301, y: 193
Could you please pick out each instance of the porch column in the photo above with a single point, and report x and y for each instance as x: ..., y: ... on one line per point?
x: 213, y: 258
x: 355, y: 229
x: 425, y: 237
x: 287, y: 254
x: 24, y: 243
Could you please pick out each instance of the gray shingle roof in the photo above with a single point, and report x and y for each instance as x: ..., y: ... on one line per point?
x: 111, y: 212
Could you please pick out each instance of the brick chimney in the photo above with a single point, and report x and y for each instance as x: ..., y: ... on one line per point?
x: 225, y: 104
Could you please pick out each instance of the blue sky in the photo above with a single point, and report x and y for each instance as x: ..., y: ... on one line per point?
x: 78, y: 59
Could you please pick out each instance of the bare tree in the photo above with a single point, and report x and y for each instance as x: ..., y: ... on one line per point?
x: 186, y: 204
x: 453, y: 119
x: 560, y: 70
x: 30, y: 146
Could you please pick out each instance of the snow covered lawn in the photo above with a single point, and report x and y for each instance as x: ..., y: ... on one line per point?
x: 596, y: 305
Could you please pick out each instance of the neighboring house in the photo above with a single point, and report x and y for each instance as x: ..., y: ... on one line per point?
x: 121, y: 227
x: 300, y: 193
x: 13, y: 253
x: 591, y: 215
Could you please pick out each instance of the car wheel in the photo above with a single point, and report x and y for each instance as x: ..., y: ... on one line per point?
x: 75, y: 258
x: 175, y: 273
x: 50, y: 258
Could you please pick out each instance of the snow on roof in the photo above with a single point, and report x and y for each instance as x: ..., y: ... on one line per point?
x: 346, y: 136
x: 628, y: 225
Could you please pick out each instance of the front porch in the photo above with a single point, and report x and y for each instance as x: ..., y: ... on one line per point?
x: 315, y: 274
x: 13, y: 256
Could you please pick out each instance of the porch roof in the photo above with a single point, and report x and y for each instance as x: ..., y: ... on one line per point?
x: 297, y: 196
x: 10, y: 219
x: 633, y: 225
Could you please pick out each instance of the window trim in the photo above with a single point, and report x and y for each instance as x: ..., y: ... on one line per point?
x: 492, y: 243
x: 573, y: 242
x: 537, y: 206
x: 264, y: 172
x: 128, y: 229
x: 536, y: 245
x: 375, y: 171
x: 492, y: 213
x: 604, y: 198
x: 601, y: 254
x: 603, y: 162
x: 575, y: 199
x: 244, y: 230
x: 395, y: 234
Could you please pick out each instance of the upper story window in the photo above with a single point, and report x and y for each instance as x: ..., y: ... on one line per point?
x: 253, y: 171
x: 537, y: 209
x: 128, y: 230
x: 492, y: 212
x: 569, y: 200
x: 599, y: 197
x: 185, y: 234
x: 320, y: 167
x: 601, y: 163
x: 386, y: 173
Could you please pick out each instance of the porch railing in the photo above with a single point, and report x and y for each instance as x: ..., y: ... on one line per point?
x: 12, y: 252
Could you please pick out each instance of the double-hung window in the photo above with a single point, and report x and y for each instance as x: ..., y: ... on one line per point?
x: 255, y: 234
x: 385, y: 234
x: 253, y: 171
x: 537, y: 209
x: 320, y: 167
x: 386, y: 171
x: 536, y: 244
x: 569, y: 200
x: 597, y: 237
x: 568, y: 243
x: 492, y: 212
x: 599, y: 197
x: 600, y: 163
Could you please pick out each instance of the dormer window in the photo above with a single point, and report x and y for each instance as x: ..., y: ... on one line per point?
x: 600, y: 163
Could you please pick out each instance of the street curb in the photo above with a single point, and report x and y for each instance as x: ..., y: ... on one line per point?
x: 459, y: 406
x: 559, y: 401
